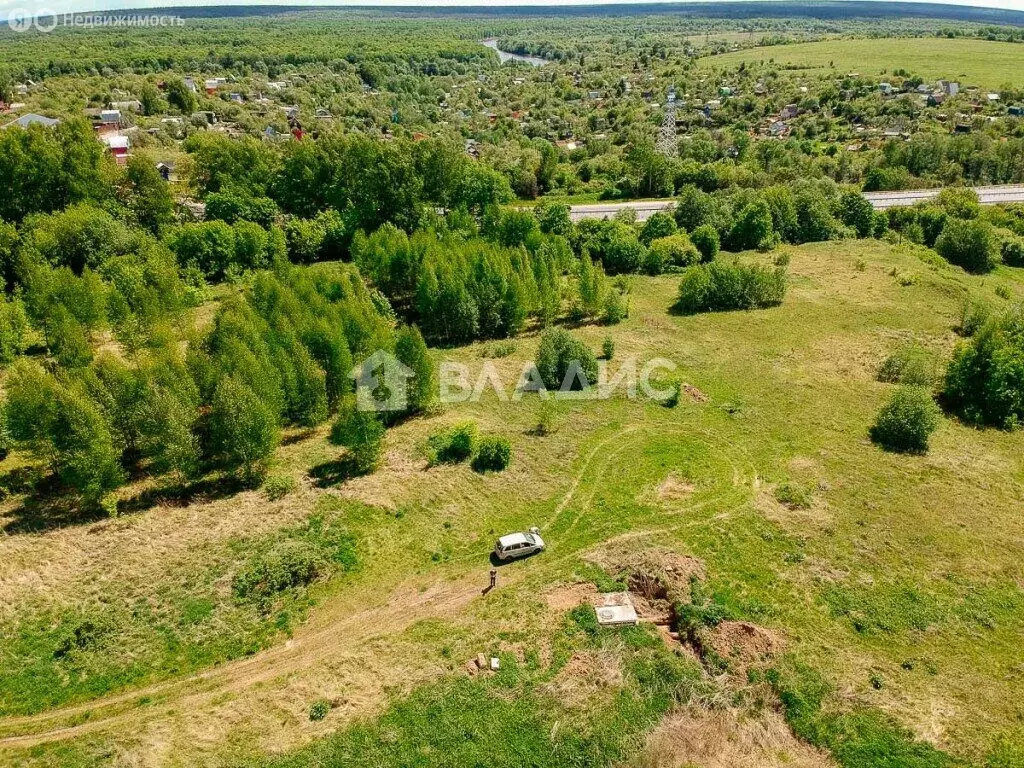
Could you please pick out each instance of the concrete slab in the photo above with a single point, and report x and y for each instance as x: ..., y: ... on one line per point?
x: 616, y: 610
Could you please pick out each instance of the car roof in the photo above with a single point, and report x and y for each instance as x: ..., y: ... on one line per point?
x: 513, y: 538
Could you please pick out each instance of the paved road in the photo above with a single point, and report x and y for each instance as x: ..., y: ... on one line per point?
x: 643, y: 208
x: 1008, y: 193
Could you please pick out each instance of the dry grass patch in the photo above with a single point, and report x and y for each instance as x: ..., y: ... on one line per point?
x: 727, y: 738
x: 587, y: 679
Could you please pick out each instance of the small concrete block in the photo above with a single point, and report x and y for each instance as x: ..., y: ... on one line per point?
x: 495, y: 663
x: 616, y: 611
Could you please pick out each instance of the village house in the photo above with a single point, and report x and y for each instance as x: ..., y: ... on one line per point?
x: 110, y: 117
x: 166, y: 170
x: 33, y: 119
x: 118, y: 145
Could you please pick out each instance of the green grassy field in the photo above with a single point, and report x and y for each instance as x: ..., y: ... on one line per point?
x: 898, y: 580
x: 971, y: 62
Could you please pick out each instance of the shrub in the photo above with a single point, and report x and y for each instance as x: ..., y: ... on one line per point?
x: 751, y: 227
x: 564, y: 362
x: 362, y: 433
x: 705, y: 239
x: 722, y: 286
x: 615, y: 308
x: 452, y: 446
x: 545, y: 418
x: 910, y: 364
x: 973, y: 315
x: 493, y: 455
x: 672, y: 251
x: 318, y: 709
x: 985, y: 379
x: 660, y: 224
x: 288, y: 564
x: 906, y: 421
x: 278, y: 486
x: 968, y: 243
x: 608, y: 347
x: 694, y: 208
x: 1012, y: 250
x: 959, y: 202
x: 675, y: 394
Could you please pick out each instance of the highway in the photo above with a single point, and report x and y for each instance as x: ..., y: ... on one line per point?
x: 1007, y: 193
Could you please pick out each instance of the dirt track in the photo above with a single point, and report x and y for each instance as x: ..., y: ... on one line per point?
x: 331, y: 637
x: 320, y: 641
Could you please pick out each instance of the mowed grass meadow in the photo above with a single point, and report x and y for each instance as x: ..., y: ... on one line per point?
x: 898, y: 579
x: 986, y: 64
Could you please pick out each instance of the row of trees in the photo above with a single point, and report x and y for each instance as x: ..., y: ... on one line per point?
x: 369, y: 180
x: 279, y: 354
x: 463, y: 288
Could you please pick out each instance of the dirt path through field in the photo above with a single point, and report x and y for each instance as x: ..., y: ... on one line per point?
x: 323, y: 639
x: 348, y: 641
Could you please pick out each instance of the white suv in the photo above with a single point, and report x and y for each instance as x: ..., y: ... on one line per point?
x: 518, y: 545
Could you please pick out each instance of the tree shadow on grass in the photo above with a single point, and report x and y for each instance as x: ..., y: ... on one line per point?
x: 206, y: 489
x: 298, y: 437
x: 49, y: 505
x: 334, y: 472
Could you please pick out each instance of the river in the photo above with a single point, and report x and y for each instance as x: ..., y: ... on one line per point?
x: 504, y: 56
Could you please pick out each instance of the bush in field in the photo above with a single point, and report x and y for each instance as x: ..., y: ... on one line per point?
x: 721, y: 286
x: 561, y: 356
x: 278, y: 486
x: 694, y: 208
x: 622, y: 253
x: 974, y: 313
x: 906, y: 421
x: 752, y: 227
x: 318, y: 709
x: 288, y: 564
x: 910, y: 364
x: 985, y: 379
x: 608, y: 348
x: 857, y: 212
x: 1012, y: 250
x: 208, y: 246
x: 705, y: 239
x: 670, y: 252
x: 453, y: 446
x: 362, y: 433
x: 493, y: 455
x: 969, y: 243
x: 616, y: 307
x: 659, y: 224
x: 959, y: 202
